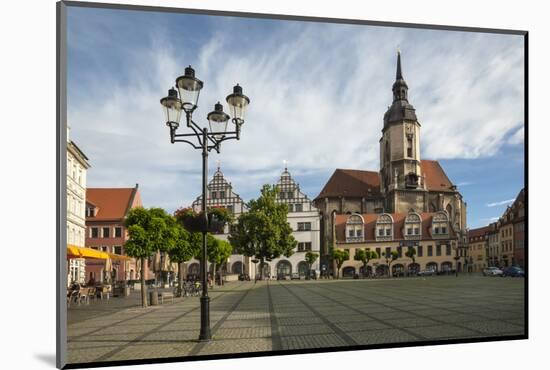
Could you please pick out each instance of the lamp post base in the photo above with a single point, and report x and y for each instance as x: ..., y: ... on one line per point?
x: 205, y: 334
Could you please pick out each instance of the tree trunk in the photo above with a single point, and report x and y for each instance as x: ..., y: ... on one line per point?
x: 261, y: 268
x: 180, y: 279
x: 365, y: 270
x: 338, y: 273
x: 213, y: 274
x: 143, y: 289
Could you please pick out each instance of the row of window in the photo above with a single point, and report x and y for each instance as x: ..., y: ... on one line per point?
x: 439, y: 249
x: 116, y: 249
x: 105, y: 232
x: 303, y: 247
x: 286, y: 195
x: 75, y: 171
x: 304, y: 226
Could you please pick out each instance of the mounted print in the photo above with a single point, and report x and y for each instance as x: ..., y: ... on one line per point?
x: 237, y: 185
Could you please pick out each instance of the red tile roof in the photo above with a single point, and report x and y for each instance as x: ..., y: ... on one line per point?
x: 351, y: 183
x: 112, y: 203
x: 473, y: 233
x: 435, y: 177
x: 358, y: 183
x: 370, y: 225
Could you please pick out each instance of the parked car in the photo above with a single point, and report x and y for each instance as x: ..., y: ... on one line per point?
x: 492, y: 271
x: 427, y: 272
x: 295, y: 276
x: 513, y: 271
x: 282, y: 277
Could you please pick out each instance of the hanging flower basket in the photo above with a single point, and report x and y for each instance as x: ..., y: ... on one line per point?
x: 195, y: 221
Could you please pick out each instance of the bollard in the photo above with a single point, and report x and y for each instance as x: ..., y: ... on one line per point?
x: 153, y: 297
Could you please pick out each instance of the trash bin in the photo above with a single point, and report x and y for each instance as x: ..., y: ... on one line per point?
x: 153, y: 297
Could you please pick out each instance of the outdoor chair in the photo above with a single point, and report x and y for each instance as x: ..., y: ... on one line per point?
x: 91, y: 293
x: 82, y: 295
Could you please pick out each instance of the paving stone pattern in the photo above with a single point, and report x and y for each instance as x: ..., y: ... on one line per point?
x: 287, y: 315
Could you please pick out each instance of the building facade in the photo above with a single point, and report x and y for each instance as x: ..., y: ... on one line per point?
x: 429, y: 234
x: 77, y: 166
x: 304, y: 220
x: 478, y: 246
x: 303, y: 217
x: 403, y: 183
x: 106, y: 210
x: 220, y: 193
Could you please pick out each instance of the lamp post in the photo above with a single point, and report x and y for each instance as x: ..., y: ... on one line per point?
x: 185, y: 99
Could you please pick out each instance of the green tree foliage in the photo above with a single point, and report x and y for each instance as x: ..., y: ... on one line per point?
x: 310, y: 259
x: 390, y: 257
x: 339, y: 256
x: 218, y: 253
x: 149, y: 230
x: 263, y: 231
x: 365, y: 256
x: 411, y: 253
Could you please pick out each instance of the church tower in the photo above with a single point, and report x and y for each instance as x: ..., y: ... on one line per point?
x: 400, y: 166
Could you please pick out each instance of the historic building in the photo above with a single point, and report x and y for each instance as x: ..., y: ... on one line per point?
x: 303, y: 217
x: 77, y: 165
x: 506, y: 238
x: 428, y: 233
x: 106, y: 209
x: 478, y: 246
x: 403, y: 184
x: 220, y: 193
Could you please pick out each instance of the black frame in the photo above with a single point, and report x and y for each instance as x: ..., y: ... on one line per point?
x: 61, y: 102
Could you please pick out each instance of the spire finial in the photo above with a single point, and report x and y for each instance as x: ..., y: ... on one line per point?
x: 398, y: 73
x: 285, y: 162
x: 218, y: 162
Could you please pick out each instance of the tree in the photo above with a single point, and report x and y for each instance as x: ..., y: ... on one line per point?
x: 263, y: 231
x: 149, y: 230
x: 390, y: 257
x: 218, y: 253
x: 184, y: 248
x: 339, y: 256
x: 310, y: 259
x: 365, y: 256
x: 411, y: 253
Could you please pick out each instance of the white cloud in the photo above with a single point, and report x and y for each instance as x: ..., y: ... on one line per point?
x: 318, y: 95
x: 501, y: 203
x: 517, y: 137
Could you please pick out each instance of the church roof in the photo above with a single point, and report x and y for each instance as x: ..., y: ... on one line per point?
x: 435, y: 177
x: 358, y: 183
x: 351, y: 183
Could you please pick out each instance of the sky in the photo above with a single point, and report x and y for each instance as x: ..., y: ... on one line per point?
x: 318, y: 94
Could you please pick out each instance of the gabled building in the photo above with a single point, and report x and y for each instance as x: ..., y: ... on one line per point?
x: 106, y: 210
x: 220, y: 193
x: 404, y: 182
x: 304, y: 219
x: 478, y: 246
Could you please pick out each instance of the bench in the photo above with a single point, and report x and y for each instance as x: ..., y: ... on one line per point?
x: 164, y: 295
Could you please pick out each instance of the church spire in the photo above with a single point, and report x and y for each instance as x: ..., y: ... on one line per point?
x: 399, y: 88
x: 398, y: 73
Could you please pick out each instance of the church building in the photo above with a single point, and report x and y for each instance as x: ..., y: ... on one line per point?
x: 403, y: 186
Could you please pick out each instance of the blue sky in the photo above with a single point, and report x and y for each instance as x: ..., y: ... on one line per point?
x: 318, y: 94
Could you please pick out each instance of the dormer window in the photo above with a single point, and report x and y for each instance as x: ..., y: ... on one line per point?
x: 354, y: 228
x: 384, y: 227
x: 440, y: 224
x: 413, y: 224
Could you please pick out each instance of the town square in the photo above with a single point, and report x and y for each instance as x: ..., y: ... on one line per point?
x: 251, y: 206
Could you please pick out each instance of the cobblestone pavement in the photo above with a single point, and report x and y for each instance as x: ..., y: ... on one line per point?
x: 248, y: 317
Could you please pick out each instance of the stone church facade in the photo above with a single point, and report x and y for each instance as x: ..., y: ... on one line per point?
x: 404, y: 182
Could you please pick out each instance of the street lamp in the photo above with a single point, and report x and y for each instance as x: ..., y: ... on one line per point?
x: 185, y: 99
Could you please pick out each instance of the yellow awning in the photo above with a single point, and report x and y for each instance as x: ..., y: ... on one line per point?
x: 119, y: 257
x: 81, y: 252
